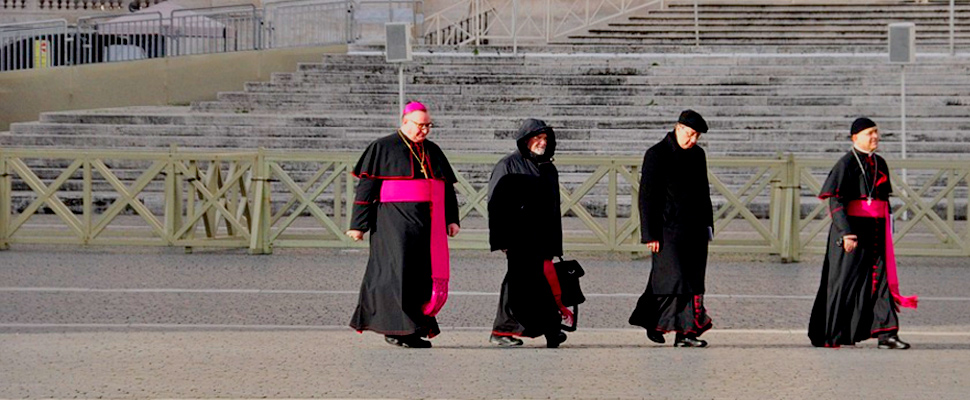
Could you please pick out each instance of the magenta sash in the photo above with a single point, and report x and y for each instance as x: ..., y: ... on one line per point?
x: 880, y: 209
x: 433, y: 191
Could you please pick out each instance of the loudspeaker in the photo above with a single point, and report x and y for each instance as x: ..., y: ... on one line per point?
x: 398, y: 43
x: 902, y: 42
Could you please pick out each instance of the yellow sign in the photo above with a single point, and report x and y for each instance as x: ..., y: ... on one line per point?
x: 41, y: 53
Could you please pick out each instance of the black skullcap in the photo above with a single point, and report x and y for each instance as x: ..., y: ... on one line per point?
x: 861, y: 124
x: 694, y: 120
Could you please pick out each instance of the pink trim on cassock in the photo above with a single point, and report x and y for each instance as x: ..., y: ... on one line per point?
x: 880, y: 209
x: 433, y: 191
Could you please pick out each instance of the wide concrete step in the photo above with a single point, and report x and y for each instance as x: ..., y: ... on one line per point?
x: 835, y: 86
x: 861, y: 77
x: 379, y: 99
x: 598, y: 111
x: 627, y: 67
x: 29, y: 134
x: 509, y: 122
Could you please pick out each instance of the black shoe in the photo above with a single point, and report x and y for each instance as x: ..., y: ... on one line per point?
x: 656, y: 336
x: 408, y: 341
x: 505, y: 341
x: 553, y: 340
x: 893, y: 343
x: 689, y: 341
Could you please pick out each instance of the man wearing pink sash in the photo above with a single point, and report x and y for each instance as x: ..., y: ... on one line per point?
x: 406, y: 200
x: 858, y: 296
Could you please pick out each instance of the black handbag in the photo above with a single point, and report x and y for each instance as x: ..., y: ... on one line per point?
x: 569, y: 272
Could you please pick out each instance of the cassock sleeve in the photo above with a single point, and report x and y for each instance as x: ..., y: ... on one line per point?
x: 652, y: 186
x: 365, y: 203
x: 451, y: 204
x: 837, y: 205
x: 368, y: 169
x: 709, y: 206
x: 497, y: 208
x: 450, y: 178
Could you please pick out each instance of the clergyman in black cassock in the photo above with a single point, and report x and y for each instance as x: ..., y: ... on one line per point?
x: 858, y: 295
x: 676, y: 224
x: 402, y: 290
x: 525, y: 222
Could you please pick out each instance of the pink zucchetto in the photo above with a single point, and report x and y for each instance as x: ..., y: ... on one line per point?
x: 412, y: 107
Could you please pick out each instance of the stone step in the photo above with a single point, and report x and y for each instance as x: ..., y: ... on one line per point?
x: 607, y: 80
x: 491, y: 146
x: 660, y: 110
x: 374, y: 99
x: 836, y: 86
x: 567, y: 54
x: 508, y: 122
x: 505, y: 132
x: 619, y: 67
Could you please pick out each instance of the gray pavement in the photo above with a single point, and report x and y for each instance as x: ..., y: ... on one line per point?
x: 157, y: 323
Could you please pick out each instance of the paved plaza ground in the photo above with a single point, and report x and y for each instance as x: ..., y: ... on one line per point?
x: 157, y: 323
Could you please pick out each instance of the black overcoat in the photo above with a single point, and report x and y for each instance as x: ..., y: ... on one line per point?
x: 676, y: 210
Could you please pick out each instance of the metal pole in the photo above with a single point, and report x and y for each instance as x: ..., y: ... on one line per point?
x: 5, y: 201
x: 902, y: 122
x: 952, y: 16
x: 515, y: 30
x: 477, y: 20
x: 400, y: 88
x: 697, y: 29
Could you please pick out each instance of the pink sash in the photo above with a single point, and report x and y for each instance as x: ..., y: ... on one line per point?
x: 419, y: 191
x: 880, y: 209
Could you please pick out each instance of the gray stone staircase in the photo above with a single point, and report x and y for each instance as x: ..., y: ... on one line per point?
x: 809, y: 24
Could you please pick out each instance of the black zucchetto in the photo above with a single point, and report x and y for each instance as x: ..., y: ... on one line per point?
x: 861, y: 124
x: 693, y: 120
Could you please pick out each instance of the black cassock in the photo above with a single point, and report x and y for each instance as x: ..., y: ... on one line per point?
x: 675, y: 210
x: 524, y: 218
x: 398, y: 282
x: 854, y: 302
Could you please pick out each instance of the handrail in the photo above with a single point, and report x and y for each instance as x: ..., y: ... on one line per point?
x: 264, y: 199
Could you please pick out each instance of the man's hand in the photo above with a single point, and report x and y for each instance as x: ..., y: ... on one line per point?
x: 355, y: 234
x: 849, y: 242
x: 453, y: 229
x: 654, y: 246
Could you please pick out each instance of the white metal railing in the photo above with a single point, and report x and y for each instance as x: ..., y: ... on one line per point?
x: 33, y: 44
x: 112, y: 39
x: 371, y: 15
x: 214, y: 30
x: 307, y: 22
x: 147, y: 34
x: 508, y: 22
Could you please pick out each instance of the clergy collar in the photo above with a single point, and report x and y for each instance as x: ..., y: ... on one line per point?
x: 856, y: 148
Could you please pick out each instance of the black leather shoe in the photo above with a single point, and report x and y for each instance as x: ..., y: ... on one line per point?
x: 553, y: 340
x: 689, y: 341
x: 408, y: 342
x: 505, y: 341
x: 656, y: 336
x: 893, y: 343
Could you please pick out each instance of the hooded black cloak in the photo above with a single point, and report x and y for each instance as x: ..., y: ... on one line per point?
x: 524, y: 219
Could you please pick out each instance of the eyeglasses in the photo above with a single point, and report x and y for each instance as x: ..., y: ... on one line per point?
x: 427, y: 126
